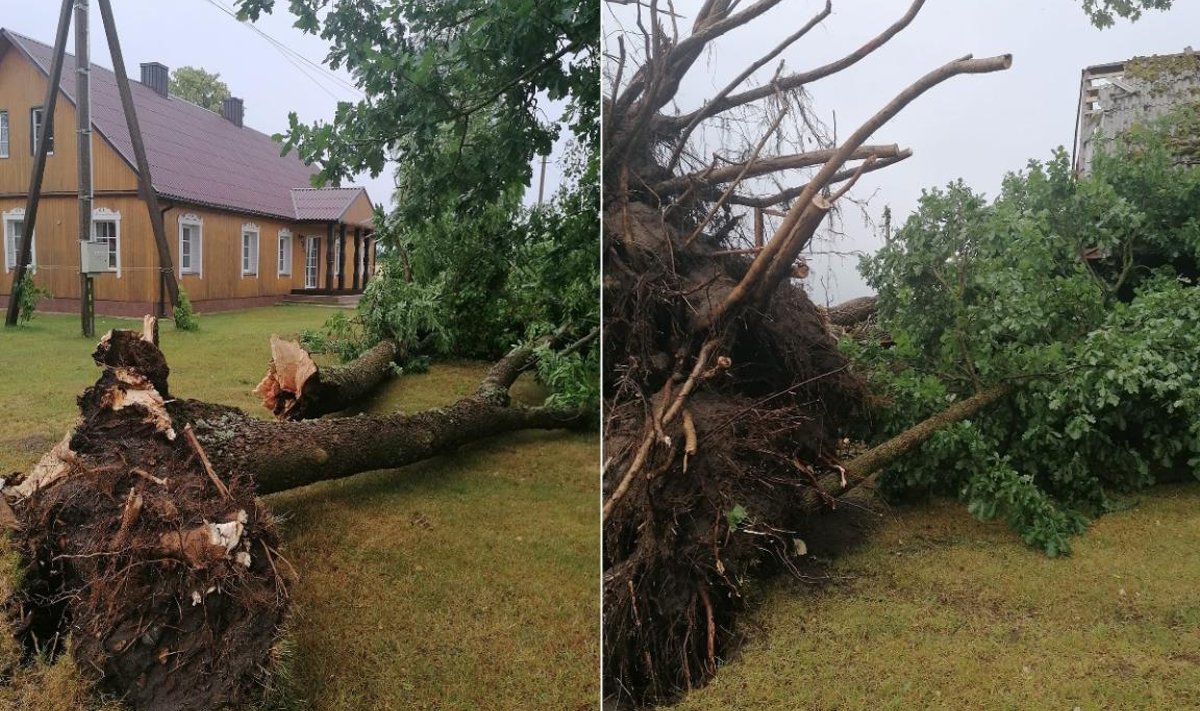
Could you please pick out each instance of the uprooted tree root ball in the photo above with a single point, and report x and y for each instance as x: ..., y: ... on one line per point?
x: 732, y: 482
x: 166, y: 579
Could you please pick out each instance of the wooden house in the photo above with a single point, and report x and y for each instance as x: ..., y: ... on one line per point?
x: 244, y: 225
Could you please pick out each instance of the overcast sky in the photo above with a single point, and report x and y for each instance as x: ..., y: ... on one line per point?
x: 973, y: 127
x: 198, y: 33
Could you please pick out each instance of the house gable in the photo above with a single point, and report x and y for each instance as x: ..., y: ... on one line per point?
x: 22, y: 87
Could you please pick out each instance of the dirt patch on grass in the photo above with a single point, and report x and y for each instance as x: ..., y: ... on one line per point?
x: 28, y: 444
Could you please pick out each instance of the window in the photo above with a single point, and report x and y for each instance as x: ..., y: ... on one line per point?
x: 191, y: 245
x: 249, y: 250
x: 3, y: 134
x: 285, y: 253
x: 35, y: 129
x: 106, y: 227
x: 337, y: 257
x: 14, y: 223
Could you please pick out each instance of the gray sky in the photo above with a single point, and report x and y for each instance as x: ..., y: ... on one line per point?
x: 197, y: 33
x: 973, y: 127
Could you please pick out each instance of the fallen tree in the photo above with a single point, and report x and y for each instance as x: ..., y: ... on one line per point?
x: 726, y: 396
x: 145, y: 541
x: 1079, y: 288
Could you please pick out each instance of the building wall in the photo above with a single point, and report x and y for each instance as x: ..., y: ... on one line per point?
x: 1111, y: 103
x: 22, y: 87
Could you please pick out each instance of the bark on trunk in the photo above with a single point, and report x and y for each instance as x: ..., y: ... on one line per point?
x: 287, y: 455
x: 871, y: 462
x: 296, y: 388
x: 852, y: 312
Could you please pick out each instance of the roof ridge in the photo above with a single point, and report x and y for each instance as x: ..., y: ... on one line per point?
x: 196, y: 155
x: 110, y: 70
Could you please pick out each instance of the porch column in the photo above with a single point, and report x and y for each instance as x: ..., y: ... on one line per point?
x: 329, y: 259
x: 366, y: 259
x: 356, y: 264
x: 341, y: 266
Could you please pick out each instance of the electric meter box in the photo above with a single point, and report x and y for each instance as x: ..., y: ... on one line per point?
x: 93, y: 256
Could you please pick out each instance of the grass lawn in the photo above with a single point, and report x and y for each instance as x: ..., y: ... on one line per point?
x: 463, y: 582
x: 941, y: 611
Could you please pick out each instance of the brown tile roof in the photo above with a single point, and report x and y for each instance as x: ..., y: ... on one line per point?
x: 195, y: 155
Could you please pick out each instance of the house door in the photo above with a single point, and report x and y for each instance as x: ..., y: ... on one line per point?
x: 312, y: 252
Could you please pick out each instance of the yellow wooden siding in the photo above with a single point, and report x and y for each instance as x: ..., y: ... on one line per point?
x: 57, y: 252
x: 221, y: 252
x: 360, y: 213
x: 22, y: 87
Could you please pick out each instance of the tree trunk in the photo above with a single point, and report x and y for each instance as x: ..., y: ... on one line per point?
x: 870, y: 463
x: 296, y: 388
x: 852, y: 312
x: 145, y: 539
x: 287, y: 455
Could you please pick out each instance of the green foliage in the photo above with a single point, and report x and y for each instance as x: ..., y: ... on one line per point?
x: 452, y: 91
x: 185, y: 317
x: 339, y: 334
x: 199, y: 87
x: 1079, y: 290
x: 735, y: 516
x: 28, y: 296
x: 1104, y: 13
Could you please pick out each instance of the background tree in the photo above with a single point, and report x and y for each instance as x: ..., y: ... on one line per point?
x: 199, y: 87
x: 1104, y: 13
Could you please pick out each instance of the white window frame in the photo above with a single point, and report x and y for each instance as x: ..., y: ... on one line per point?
x: 193, y: 220
x: 249, y: 230
x: 103, y: 214
x: 4, y: 133
x: 337, y: 257
x: 33, y: 130
x: 10, y: 254
x: 312, y: 248
x: 283, y: 262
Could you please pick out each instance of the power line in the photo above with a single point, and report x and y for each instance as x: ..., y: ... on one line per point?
x: 293, y: 57
x: 287, y: 53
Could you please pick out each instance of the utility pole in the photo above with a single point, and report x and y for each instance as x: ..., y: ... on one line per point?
x: 145, y: 185
x: 25, y: 251
x: 83, y: 123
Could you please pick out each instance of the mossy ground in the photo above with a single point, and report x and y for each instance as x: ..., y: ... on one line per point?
x: 464, y: 582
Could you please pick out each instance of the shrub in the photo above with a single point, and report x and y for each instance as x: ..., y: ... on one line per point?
x: 185, y: 317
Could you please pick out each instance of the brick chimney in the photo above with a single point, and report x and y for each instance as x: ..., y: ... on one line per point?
x: 156, y: 76
x: 232, y: 109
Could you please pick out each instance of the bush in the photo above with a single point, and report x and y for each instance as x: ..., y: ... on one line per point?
x: 185, y: 317
x: 28, y: 297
